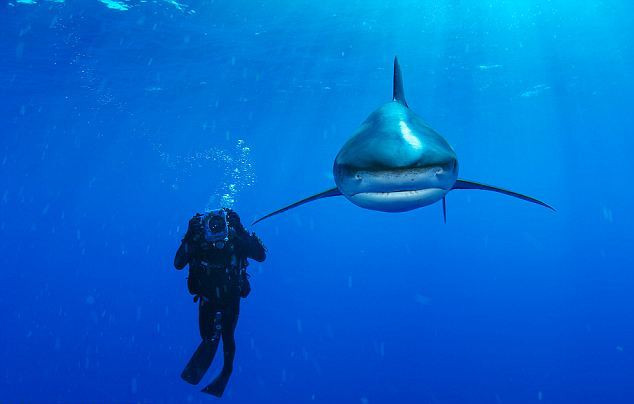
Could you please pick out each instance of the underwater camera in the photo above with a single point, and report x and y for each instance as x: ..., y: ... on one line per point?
x: 216, y: 227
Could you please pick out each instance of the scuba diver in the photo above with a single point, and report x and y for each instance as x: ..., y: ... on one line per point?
x: 216, y: 247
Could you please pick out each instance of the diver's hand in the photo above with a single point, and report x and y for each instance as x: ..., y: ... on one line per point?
x: 233, y: 218
x: 194, y: 227
x: 234, y: 222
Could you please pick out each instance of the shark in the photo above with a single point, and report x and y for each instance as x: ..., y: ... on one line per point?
x: 395, y: 162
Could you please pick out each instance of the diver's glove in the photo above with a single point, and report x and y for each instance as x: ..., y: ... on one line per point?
x: 234, y: 222
x: 194, y: 228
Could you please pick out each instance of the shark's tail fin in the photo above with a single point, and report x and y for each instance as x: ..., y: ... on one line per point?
x: 398, y: 94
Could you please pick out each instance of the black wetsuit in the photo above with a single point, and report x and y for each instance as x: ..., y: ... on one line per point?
x: 218, y: 279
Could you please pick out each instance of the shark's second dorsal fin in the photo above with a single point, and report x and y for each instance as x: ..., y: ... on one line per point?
x: 398, y: 94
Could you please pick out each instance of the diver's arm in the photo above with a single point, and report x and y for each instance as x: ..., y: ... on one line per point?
x: 256, y: 249
x: 249, y: 244
x: 252, y: 247
x: 182, y: 256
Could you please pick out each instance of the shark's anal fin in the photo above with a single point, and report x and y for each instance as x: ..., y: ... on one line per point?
x: 397, y: 93
x: 462, y: 184
x: 444, y: 209
x: 325, y: 194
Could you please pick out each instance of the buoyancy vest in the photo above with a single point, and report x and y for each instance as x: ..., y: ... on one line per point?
x: 218, y: 274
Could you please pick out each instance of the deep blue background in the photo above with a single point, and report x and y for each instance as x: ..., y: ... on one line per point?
x: 109, y: 124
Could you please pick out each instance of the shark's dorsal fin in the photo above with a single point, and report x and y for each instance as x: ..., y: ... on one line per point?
x: 398, y: 94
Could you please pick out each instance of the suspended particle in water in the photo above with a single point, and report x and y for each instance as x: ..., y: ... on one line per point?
x: 422, y: 300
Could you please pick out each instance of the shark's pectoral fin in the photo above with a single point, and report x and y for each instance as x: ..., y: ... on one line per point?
x: 462, y: 184
x: 325, y: 194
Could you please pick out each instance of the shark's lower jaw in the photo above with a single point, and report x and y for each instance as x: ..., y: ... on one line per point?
x: 397, y: 201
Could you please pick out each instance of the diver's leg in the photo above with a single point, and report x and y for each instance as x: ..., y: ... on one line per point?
x: 217, y: 387
x: 204, y: 354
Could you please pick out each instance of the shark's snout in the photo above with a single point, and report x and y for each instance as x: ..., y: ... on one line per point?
x: 395, y: 162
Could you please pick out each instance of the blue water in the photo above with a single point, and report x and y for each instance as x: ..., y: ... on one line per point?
x: 121, y: 119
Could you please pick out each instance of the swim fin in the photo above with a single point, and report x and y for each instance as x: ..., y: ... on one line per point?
x: 200, y: 361
x: 218, y: 385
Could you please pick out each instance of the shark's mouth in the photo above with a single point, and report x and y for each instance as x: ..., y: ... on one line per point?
x: 405, y: 193
x: 397, y: 201
x: 393, y: 181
